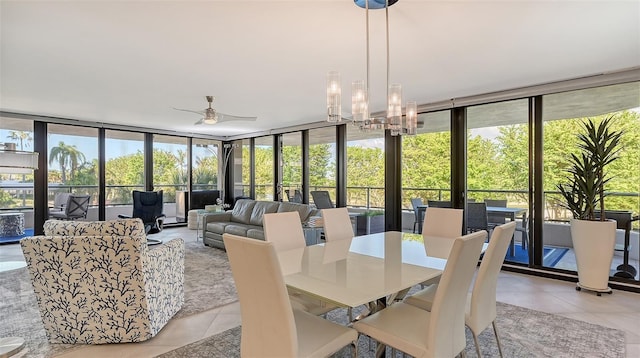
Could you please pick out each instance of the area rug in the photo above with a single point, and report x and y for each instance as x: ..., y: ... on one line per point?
x: 523, y: 333
x: 208, y: 284
x: 551, y: 255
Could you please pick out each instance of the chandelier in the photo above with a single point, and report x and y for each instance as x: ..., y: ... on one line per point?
x: 14, y: 161
x: 361, y: 117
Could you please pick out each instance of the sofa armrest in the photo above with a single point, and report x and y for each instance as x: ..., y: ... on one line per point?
x: 164, y: 282
x: 216, y: 217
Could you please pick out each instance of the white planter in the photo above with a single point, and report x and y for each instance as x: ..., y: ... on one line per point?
x: 593, y: 243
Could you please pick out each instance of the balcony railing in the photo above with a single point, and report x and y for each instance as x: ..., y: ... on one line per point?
x: 357, y: 196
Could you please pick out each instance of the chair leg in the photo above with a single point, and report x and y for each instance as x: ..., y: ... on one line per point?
x: 354, y: 348
x: 495, y: 331
x: 475, y: 340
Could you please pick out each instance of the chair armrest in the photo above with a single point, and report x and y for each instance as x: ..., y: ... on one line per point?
x: 164, y: 281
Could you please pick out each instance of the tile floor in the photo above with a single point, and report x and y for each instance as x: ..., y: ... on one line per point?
x: 621, y: 310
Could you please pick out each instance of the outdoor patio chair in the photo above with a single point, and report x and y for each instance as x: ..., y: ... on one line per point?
x: 439, y: 203
x: 75, y: 208
x: 415, y: 202
x: 477, y: 217
x: 322, y: 199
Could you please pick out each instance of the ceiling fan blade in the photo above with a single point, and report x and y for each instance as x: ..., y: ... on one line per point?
x: 228, y: 118
x: 188, y: 110
x: 201, y: 121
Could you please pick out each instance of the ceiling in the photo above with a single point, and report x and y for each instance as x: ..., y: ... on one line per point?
x: 130, y: 62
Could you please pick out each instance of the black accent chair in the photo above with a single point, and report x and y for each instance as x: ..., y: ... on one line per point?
x: 147, y: 206
x: 76, y: 207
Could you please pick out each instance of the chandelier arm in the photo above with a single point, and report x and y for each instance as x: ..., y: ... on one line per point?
x: 368, y: 57
x: 386, y: 10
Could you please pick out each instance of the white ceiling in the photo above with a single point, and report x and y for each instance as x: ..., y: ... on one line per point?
x: 130, y: 62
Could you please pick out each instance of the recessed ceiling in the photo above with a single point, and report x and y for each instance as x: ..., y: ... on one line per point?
x: 130, y: 62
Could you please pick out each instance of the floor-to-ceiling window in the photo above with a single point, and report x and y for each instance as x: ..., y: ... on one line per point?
x: 563, y: 115
x: 322, y: 159
x: 169, y: 165
x: 242, y: 168
x: 426, y: 163
x: 365, y: 168
x: 264, y: 168
x: 497, y: 170
x: 124, y: 170
x: 73, y: 163
x: 16, y: 189
x: 205, y: 159
x: 292, y: 166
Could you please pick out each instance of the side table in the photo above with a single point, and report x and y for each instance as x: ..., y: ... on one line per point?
x: 201, y: 213
x: 11, y: 224
x: 312, y: 233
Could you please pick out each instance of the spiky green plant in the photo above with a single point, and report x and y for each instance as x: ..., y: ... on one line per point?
x: 584, y: 192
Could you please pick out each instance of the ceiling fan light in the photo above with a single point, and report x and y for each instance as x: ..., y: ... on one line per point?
x: 210, y: 119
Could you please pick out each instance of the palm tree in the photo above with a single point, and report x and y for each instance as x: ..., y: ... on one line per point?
x: 21, y: 136
x: 66, y: 156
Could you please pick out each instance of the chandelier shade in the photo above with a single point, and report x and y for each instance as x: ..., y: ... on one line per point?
x: 334, y: 97
x: 14, y: 161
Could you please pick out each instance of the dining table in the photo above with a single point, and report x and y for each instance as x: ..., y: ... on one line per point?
x: 364, y: 269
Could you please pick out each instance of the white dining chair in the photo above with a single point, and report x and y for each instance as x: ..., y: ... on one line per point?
x: 442, y: 222
x: 481, y: 302
x: 284, y: 230
x: 270, y: 327
x: 439, y: 332
x: 337, y: 224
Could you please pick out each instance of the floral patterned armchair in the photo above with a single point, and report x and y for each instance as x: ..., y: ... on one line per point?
x: 98, y: 282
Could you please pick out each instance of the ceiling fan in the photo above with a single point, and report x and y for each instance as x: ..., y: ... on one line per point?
x: 211, y: 116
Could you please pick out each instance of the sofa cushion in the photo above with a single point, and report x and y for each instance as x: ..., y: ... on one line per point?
x: 261, y: 208
x: 302, y: 209
x: 255, y: 234
x: 240, y: 230
x: 217, y: 227
x: 242, y: 211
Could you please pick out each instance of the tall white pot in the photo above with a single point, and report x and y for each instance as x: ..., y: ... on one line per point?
x: 593, y: 244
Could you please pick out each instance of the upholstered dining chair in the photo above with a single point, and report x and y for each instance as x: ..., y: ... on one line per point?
x: 337, y: 224
x: 441, y: 331
x: 481, y: 302
x: 270, y: 326
x: 284, y: 231
x: 442, y: 222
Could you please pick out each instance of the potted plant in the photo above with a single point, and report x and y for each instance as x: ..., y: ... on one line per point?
x: 370, y: 222
x: 593, y: 236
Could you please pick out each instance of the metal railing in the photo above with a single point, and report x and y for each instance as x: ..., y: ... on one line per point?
x: 368, y: 197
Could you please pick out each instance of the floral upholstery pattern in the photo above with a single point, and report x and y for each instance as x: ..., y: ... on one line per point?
x: 98, y: 282
x: 120, y: 227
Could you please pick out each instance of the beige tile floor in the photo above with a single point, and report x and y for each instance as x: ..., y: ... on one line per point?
x: 621, y: 310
